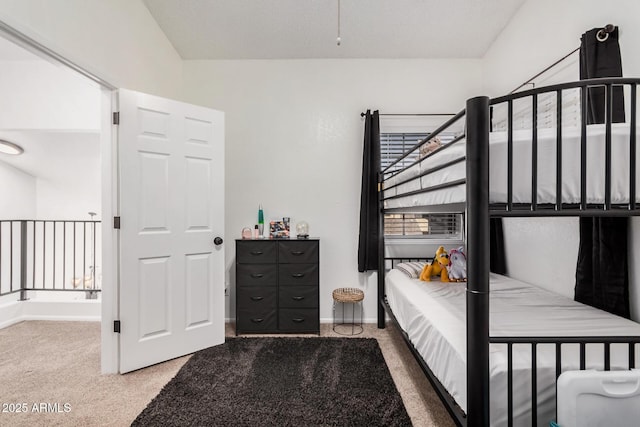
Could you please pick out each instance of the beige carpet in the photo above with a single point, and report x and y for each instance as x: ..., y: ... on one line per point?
x: 55, y: 366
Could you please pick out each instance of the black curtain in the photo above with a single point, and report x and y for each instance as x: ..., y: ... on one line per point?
x: 601, y: 59
x: 369, y: 210
x: 497, y: 257
x: 602, y: 280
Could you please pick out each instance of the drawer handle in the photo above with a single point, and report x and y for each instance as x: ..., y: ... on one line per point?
x: 257, y: 298
x: 297, y: 253
x: 257, y: 275
x: 256, y: 252
x: 297, y: 298
x: 297, y: 275
x: 298, y: 319
x: 257, y: 320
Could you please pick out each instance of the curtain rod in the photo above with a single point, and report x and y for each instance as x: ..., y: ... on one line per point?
x: 413, y: 114
x: 602, y: 35
x: 546, y: 69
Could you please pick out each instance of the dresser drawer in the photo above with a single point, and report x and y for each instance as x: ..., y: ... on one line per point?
x: 257, y: 298
x: 299, y: 320
x: 256, y: 274
x: 302, y: 252
x: 255, y: 251
x: 298, y: 274
x: 298, y: 297
x: 253, y: 321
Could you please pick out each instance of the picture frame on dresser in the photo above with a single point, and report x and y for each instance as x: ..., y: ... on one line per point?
x: 277, y: 286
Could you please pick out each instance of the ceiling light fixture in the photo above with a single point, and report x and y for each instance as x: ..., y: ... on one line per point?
x: 7, y: 147
x: 338, y: 39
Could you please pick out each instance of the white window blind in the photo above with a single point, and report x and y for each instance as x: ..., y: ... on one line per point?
x: 394, y: 145
x: 407, y: 225
x: 433, y: 225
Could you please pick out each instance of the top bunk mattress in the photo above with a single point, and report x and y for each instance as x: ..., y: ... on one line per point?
x: 522, y: 167
x: 433, y: 316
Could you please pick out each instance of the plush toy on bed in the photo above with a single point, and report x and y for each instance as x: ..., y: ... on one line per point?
x: 437, y: 267
x: 429, y: 147
x: 457, y: 267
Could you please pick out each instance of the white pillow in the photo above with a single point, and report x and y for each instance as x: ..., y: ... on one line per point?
x: 411, y: 269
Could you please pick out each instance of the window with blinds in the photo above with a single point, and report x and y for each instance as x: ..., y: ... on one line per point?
x: 394, y: 145
x: 407, y: 225
x: 433, y: 225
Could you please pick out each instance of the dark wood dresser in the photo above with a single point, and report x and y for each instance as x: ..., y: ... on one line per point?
x: 277, y: 286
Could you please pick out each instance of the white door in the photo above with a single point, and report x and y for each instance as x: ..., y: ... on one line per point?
x: 171, y: 163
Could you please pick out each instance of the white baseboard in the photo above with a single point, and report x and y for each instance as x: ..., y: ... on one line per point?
x: 322, y: 320
x: 20, y: 311
x: 10, y: 314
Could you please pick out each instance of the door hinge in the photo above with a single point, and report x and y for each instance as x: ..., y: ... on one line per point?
x: 116, y: 222
x: 116, y: 326
x: 116, y: 118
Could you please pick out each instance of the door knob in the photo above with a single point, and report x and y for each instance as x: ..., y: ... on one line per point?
x: 217, y: 241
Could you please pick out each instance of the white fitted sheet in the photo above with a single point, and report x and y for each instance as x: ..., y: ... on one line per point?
x: 433, y: 315
x: 522, y: 166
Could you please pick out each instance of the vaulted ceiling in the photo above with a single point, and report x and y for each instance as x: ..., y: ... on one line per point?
x: 289, y: 29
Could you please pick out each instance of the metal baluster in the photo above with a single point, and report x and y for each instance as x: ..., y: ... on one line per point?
x: 510, y: 384
x: 558, y: 359
x: 510, y: 155
x: 534, y: 384
x: 54, y: 253
x: 583, y: 150
x: 64, y: 254
x: 33, y: 260
x: 534, y: 154
x: 84, y: 254
x: 73, y: 276
x: 44, y: 251
x: 23, y: 260
x: 632, y: 149
x: 559, y: 150
x: 607, y: 148
x: 11, y: 255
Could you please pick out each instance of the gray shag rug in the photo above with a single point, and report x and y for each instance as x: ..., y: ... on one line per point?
x: 281, y: 382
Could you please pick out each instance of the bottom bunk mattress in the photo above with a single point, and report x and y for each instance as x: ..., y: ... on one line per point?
x: 433, y: 316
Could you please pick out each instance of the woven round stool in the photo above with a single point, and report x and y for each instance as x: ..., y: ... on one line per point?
x: 345, y: 296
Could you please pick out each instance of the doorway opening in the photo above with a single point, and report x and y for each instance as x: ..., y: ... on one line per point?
x: 50, y: 197
x: 155, y: 154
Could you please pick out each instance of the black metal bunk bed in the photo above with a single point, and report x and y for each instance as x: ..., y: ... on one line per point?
x: 478, y: 210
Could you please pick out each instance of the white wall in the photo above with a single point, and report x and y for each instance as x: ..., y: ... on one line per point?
x: 543, y: 31
x: 117, y: 40
x: 17, y: 193
x: 544, y: 251
x: 17, y: 201
x: 294, y: 143
x: 71, y: 186
x: 40, y: 95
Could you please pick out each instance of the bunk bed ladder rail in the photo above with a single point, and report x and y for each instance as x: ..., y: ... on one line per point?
x: 477, y: 125
x: 559, y: 342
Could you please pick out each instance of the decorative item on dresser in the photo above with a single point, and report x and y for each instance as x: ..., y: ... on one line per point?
x: 277, y: 285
